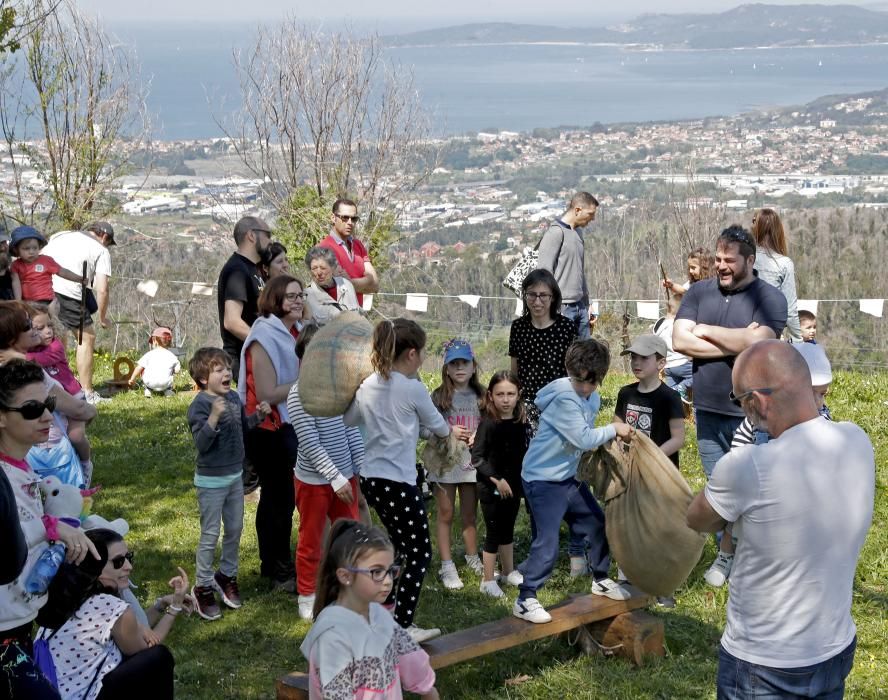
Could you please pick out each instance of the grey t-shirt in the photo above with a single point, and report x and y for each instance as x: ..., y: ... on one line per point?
x: 561, y: 253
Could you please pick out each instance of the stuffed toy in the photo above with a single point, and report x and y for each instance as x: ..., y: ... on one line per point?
x: 71, y: 505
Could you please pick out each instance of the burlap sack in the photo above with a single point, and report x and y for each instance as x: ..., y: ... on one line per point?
x: 440, y: 455
x: 646, y: 501
x: 335, y: 363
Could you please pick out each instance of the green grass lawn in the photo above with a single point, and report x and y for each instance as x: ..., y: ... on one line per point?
x: 144, y: 459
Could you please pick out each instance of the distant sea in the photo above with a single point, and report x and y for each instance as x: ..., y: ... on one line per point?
x: 520, y: 87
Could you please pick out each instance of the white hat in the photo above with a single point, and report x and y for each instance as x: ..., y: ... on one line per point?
x: 818, y: 362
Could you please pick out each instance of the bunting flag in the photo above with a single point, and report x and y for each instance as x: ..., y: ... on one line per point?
x: 201, y: 289
x: 148, y: 287
x: 470, y: 299
x: 593, y: 307
x: 873, y: 307
x: 648, y: 309
x: 417, y: 302
x: 807, y: 305
x: 519, y: 307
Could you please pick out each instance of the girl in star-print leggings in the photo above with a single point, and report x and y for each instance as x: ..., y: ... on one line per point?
x: 402, y: 511
x: 390, y: 405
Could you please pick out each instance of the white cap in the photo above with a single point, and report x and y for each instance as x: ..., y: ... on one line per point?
x: 818, y: 362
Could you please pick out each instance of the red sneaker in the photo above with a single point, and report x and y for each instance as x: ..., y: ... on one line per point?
x: 205, y: 602
x: 227, y: 587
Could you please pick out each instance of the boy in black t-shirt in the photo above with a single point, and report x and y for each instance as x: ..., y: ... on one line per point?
x: 649, y: 405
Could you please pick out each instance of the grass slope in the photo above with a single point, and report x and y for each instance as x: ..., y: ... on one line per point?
x: 144, y: 459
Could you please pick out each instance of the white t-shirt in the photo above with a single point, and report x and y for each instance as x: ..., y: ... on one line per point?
x: 392, y: 411
x: 160, y: 366
x: 802, y: 505
x: 69, y: 249
x: 82, y: 648
x: 663, y: 329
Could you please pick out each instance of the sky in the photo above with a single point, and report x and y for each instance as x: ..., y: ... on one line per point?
x: 402, y: 15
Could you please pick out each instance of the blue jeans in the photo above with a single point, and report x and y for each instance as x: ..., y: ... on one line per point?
x: 579, y: 314
x: 219, y: 506
x: 714, y: 433
x: 741, y: 680
x: 551, y: 502
x: 681, y: 375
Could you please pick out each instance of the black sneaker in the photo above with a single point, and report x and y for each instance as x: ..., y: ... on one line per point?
x: 205, y: 602
x: 227, y: 587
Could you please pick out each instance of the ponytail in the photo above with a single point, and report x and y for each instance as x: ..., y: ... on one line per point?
x: 390, y: 339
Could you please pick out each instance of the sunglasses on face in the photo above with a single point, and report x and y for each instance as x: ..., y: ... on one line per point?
x: 32, y: 410
x: 378, y: 573
x: 117, y: 562
x: 345, y: 219
x: 737, y: 399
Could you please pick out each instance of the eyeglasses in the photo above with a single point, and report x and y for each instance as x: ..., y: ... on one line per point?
x: 117, y: 562
x: 738, y: 399
x: 345, y: 218
x: 533, y: 296
x: 32, y: 410
x: 294, y: 296
x: 378, y: 573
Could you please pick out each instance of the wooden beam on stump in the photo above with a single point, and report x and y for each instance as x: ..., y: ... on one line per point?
x: 633, y: 635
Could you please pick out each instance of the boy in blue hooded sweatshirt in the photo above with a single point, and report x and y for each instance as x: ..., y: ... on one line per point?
x: 568, y: 409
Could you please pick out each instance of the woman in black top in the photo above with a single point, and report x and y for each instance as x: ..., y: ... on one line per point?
x: 538, y: 341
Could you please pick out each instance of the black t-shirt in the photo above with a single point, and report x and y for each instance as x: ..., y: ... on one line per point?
x: 239, y: 281
x: 540, y: 353
x: 498, y: 450
x: 706, y: 302
x: 6, y: 291
x: 650, y: 413
x: 15, y: 550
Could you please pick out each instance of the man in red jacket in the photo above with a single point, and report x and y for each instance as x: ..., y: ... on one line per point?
x: 352, y: 255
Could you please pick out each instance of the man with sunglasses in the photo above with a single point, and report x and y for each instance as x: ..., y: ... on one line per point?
x: 718, y: 319
x: 351, y: 254
x: 802, y: 505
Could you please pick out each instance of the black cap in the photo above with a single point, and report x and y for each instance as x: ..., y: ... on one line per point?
x: 102, y: 228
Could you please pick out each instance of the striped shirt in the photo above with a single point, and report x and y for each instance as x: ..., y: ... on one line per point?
x: 329, y: 451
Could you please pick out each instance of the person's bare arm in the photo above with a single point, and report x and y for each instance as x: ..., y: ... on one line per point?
x: 66, y: 274
x: 514, y: 365
x: 16, y: 285
x: 685, y: 341
x: 733, y: 341
x: 232, y: 321
x: 702, y: 517
x: 368, y: 283
x: 100, y: 287
x: 71, y: 407
x: 676, y: 437
x: 127, y: 634
x: 265, y: 377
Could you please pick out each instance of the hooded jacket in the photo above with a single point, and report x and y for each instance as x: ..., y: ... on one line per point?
x: 566, y: 431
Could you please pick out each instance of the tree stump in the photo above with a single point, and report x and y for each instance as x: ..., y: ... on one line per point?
x: 634, y: 635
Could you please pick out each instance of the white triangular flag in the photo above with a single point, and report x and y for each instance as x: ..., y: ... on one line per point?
x: 202, y: 289
x: 148, y: 287
x: 807, y: 305
x: 593, y: 307
x: 417, y: 302
x: 648, y: 309
x: 470, y: 299
x: 519, y: 307
x: 873, y: 307
x: 367, y: 303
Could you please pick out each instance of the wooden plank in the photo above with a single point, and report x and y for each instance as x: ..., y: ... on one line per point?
x: 576, y: 611
x: 511, y: 632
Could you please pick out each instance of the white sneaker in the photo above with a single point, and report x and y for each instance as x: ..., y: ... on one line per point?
x: 718, y: 573
x: 515, y: 578
x: 621, y: 577
x: 578, y: 567
x: 306, y: 606
x: 473, y: 561
x: 147, y: 393
x: 610, y: 589
x: 492, y: 589
x: 530, y: 609
x: 419, y: 635
x: 169, y: 392
x: 449, y: 577
x: 93, y: 398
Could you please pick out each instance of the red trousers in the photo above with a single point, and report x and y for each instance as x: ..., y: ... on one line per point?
x: 317, y: 504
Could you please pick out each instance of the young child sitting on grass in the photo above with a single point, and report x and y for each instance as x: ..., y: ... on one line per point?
x: 158, y: 366
x: 218, y: 422
x: 568, y: 408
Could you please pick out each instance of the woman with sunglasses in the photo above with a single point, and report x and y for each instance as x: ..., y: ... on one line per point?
x: 99, y: 648
x: 25, y: 417
x: 327, y: 296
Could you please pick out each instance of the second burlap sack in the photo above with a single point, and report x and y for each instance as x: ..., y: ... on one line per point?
x: 646, y: 501
x: 335, y: 363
